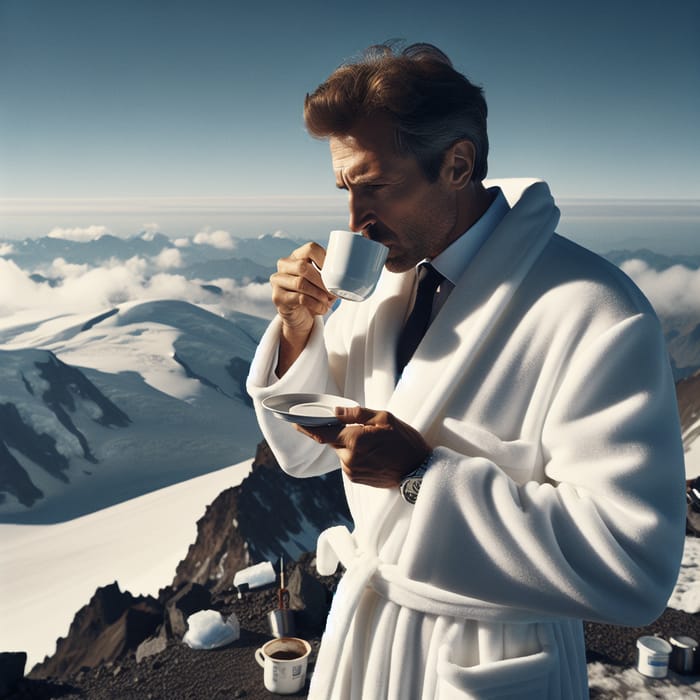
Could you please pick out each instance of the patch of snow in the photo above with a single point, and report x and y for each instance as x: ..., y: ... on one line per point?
x: 608, y: 682
x: 686, y: 594
x: 207, y: 629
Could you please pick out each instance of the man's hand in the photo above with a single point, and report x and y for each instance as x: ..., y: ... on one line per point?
x: 299, y: 294
x: 375, y: 448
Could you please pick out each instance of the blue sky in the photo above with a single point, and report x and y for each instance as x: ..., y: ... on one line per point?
x: 149, y: 109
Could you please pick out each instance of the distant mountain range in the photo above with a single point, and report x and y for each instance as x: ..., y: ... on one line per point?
x: 247, y: 260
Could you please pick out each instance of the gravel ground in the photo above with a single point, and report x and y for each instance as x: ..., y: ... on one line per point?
x: 181, y: 673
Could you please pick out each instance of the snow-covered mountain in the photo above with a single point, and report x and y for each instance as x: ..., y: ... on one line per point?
x: 97, y: 409
x: 123, y: 364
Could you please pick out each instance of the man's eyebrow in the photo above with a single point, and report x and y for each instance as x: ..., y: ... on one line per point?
x: 359, y: 180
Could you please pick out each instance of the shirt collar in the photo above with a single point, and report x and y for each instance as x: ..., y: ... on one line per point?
x: 453, y: 261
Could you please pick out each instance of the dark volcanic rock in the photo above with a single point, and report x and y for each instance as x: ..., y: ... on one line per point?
x: 111, y: 624
x: 308, y: 598
x: 269, y: 515
x: 688, y: 395
x: 190, y: 599
x: 11, y: 670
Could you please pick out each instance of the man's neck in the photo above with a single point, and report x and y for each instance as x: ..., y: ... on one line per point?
x: 472, y: 204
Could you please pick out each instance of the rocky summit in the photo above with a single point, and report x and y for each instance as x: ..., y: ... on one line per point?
x: 118, y: 641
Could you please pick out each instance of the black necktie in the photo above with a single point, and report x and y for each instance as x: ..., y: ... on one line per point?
x: 419, y: 319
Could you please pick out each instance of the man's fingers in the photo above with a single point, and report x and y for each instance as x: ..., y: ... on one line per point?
x: 289, y: 284
x: 325, y: 434
x: 310, y: 251
x: 355, y: 414
x: 289, y: 294
x: 300, y: 268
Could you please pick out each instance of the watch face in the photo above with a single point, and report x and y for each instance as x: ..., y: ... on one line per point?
x: 410, y: 488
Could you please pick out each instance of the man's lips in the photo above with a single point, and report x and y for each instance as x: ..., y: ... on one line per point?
x: 384, y: 240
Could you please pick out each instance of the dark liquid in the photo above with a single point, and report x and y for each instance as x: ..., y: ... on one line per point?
x: 285, y: 655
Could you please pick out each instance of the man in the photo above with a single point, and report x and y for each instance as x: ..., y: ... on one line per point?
x: 524, y: 470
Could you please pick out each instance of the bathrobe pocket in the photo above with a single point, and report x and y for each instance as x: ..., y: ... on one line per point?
x: 523, y: 678
x: 519, y: 459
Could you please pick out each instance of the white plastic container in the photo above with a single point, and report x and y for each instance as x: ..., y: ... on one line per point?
x: 653, y: 655
x: 254, y: 576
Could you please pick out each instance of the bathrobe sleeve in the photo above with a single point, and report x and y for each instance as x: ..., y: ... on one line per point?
x: 600, y: 536
x: 296, y: 453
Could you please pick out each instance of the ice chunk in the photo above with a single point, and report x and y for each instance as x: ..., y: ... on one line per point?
x: 255, y: 576
x: 207, y: 629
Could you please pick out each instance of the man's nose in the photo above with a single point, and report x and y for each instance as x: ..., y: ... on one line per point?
x: 361, y: 215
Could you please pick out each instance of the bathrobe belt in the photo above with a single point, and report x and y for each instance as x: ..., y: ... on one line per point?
x: 364, y: 569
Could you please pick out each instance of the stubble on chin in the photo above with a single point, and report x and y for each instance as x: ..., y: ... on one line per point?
x: 399, y: 265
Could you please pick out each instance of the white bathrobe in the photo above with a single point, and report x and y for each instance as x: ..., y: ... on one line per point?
x: 556, y: 488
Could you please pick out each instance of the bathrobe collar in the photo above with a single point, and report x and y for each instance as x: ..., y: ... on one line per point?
x: 453, y: 339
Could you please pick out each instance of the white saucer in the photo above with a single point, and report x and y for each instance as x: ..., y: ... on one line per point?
x: 307, y: 409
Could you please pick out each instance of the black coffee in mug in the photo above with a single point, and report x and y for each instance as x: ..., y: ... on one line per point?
x: 285, y: 655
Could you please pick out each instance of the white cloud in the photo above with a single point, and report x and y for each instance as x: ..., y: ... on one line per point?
x: 181, y: 242
x: 675, y: 290
x: 150, y: 228
x: 89, y: 233
x: 168, y: 258
x: 217, y: 239
x: 62, y: 269
x: 17, y: 291
x: 82, y: 289
x: 6, y: 249
x: 254, y: 299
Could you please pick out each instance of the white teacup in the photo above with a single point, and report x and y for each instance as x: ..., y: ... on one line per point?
x: 284, y: 661
x: 353, y: 265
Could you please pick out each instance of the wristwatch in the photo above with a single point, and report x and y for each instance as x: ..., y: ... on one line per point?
x: 411, y: 483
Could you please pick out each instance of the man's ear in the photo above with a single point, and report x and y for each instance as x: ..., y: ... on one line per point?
x: 458, y: 165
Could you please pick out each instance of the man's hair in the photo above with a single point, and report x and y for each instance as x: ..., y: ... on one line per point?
x: 430, y: 104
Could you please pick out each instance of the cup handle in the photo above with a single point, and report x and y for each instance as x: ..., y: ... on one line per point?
x: 260, y: 657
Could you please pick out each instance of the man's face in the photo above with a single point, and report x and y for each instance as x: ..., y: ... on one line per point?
x: 390, y: 199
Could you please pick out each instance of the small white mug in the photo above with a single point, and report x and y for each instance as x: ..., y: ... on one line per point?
x: 353, y: 265
x: 652, y: 656
x: 284, y: 662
